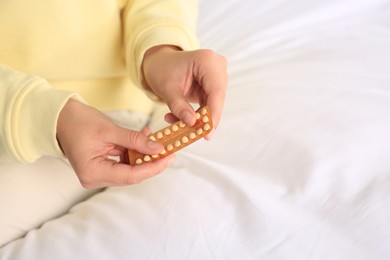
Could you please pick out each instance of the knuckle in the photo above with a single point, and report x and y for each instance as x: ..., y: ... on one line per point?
x: 86, y: 180
x: 212, y: 58
x: 135, y: 137
x: 131, y: 180
x: 86, y: 186
x: 207, y: 52
x: 206, y: 55
x: 174, y: 105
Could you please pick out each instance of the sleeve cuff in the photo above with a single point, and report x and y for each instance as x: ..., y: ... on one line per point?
x: 34, y: 120
x: 159, y: 35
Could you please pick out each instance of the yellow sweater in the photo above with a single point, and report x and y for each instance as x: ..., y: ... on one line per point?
x: 51, y: 50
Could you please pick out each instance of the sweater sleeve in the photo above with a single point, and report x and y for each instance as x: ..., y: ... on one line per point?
x: 29, y: 109
x: 150, y: 23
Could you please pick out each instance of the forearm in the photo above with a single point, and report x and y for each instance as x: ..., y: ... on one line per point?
x: 29, y: 108
x: 169, y: 22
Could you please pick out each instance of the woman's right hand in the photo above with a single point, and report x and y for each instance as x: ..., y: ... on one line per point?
x: 88, y: 139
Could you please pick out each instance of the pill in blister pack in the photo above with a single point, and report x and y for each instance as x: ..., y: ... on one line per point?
x: 176, y: 136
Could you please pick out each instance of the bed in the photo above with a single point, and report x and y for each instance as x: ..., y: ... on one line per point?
x: 299, y: 167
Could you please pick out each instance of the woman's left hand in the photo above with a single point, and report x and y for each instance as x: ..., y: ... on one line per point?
x: 179, y: 78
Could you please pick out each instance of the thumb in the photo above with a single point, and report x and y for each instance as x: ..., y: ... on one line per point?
x: 181, y: 108
x: 136, y: 141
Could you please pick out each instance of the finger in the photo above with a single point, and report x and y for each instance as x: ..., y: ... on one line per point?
x: 181, y: 108
x: 136, y: 141
x: 146, y: 131
x: 215, y: 88
x: 148, y: 170
x: 216, y: 102
x: 211, y: 72
x: 170, y: 118
x: 110, y: 173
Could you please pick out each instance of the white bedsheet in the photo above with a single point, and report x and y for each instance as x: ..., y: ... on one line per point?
x: 299, y: 167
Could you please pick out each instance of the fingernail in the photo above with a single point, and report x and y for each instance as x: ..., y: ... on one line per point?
x: 188, y: 118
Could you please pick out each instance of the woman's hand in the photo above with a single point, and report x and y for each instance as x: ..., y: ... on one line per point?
x: 89, y: 139
x: 180, y: 78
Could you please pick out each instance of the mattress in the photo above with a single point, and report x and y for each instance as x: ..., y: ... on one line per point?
x: 299, y: 167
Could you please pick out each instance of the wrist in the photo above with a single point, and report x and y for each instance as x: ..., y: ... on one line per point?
x: 151, y: 57
x: 159, y: 49
x: 63, y: 120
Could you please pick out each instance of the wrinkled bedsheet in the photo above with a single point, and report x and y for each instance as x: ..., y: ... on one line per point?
x: 299, y: 167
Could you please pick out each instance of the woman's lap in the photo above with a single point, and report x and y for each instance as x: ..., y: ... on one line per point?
x: 31, y: 194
